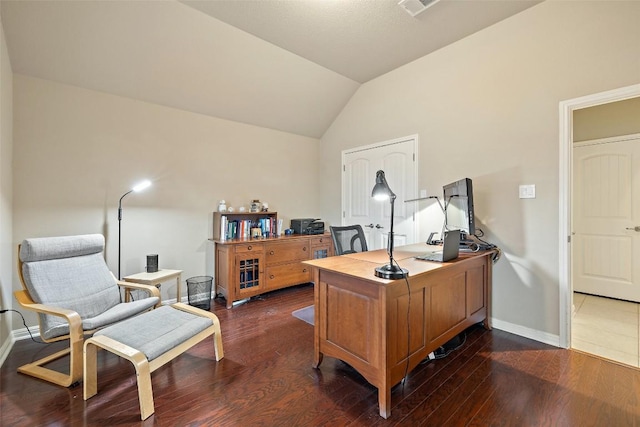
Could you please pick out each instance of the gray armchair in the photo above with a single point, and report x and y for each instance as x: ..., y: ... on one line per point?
x: 67, y: 282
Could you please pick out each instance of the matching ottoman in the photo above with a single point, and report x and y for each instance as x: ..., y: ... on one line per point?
x: 149, y: 341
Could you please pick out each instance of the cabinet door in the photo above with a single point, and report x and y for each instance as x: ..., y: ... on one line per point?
x: 249, y: 270
x: 321, y: 247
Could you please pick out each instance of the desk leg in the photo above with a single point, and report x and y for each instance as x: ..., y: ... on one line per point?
x: 317, y: 319
x: 384, y: 402
x: 317, y: 359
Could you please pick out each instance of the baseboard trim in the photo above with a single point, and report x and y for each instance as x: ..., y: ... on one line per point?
x: 17, y: 335
x: 523, y: 331
x: 7, y: 345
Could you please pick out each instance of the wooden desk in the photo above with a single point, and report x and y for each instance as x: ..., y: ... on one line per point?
x: 382, y: 329
x: 155, y: 279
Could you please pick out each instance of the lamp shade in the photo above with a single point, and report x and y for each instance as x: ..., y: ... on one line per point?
x: 381, y: 190
x: 141, y: 186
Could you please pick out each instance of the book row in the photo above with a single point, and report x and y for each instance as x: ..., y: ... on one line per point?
x: 247, y: 229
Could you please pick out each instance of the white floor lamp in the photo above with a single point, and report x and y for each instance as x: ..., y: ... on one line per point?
x: 139, y: 187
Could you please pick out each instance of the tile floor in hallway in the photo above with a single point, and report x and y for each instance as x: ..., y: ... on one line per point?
x: 606, y: 327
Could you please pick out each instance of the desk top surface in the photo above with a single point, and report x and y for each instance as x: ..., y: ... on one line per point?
x: 363, y: 264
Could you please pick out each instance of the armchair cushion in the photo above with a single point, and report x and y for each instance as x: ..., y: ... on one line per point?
x: 70, y: 272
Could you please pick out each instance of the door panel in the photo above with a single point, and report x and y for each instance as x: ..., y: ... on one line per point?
x: 358, y: 172
x: 606, y: 210
x: 395, y: 165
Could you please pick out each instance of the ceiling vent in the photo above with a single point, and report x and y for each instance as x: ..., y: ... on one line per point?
x: 415, y: 7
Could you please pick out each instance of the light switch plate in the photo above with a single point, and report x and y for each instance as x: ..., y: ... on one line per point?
x: 527, y: 191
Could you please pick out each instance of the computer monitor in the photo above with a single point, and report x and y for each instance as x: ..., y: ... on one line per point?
x: 458, y: 206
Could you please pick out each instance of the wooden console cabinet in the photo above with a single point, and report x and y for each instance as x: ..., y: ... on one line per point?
x: 385, y: 328
x: 248, y: 267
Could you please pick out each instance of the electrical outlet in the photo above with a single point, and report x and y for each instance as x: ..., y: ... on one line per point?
x: 527, y: 191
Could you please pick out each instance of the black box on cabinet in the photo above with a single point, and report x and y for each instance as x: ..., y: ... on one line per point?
x: 307, y: 226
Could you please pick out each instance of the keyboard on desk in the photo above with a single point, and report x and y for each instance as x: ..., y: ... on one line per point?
x: 431, y: 256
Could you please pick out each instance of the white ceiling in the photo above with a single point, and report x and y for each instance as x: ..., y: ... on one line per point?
x: 286, y: 65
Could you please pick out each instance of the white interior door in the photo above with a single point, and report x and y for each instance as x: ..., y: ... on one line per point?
x: 397, y: 160
x: 606, y: 221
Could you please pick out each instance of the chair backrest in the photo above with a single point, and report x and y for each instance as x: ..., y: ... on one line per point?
x: 348, y: 239
x: 67, y: 272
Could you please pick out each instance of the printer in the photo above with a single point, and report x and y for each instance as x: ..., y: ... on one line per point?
x: 307, y: 226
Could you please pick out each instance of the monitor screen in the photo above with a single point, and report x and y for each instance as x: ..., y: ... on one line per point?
x: 458, y: 204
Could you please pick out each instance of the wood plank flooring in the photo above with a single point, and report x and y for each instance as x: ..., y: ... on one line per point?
x: 266, y: 379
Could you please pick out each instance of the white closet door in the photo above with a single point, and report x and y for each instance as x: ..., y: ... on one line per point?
x: 397, y: 160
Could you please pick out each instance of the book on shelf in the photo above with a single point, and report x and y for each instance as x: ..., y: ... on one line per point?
x: 224, y: 223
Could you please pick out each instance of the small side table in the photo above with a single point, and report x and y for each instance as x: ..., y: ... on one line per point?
x: 155, y: 279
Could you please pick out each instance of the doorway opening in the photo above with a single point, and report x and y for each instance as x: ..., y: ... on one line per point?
x: 565, y: 196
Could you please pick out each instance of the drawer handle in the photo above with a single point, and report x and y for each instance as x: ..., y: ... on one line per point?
x: 321, y: 240
x: 271, y: 252
x: 304, y: 249
x: 304, y: 270
x: 249, y: 247
x: 272, y: 276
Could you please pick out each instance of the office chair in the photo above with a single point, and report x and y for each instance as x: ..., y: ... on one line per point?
x: 348, y: 239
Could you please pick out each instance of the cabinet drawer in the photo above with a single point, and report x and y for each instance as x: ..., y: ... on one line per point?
x: 287, y: 274
x: 296, y: 250
x: 249, y: 247
x: 321, y: 240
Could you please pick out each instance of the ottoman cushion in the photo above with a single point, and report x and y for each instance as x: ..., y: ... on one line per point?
x: 157, y: 331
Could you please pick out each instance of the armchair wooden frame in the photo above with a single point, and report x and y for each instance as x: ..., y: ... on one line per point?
x: 76, y: 334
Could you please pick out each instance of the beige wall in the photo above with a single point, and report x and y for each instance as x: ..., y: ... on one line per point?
x: 77, y: 151
x: 6, y: 191
x: 602, y: 121
x: 487, y: 108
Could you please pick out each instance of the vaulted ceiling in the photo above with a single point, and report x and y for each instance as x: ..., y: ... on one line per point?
x: 285, y: 65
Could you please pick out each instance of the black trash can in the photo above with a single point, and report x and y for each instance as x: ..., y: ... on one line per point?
x: 199, y: 291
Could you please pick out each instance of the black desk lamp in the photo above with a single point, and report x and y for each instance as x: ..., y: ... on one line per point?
x: 381, y: 191
x: 144, y: 184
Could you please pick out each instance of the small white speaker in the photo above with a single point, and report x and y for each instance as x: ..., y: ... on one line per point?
x: 415, y: 7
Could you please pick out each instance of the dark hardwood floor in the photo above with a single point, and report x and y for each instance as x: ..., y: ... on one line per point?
x: 266, y: 379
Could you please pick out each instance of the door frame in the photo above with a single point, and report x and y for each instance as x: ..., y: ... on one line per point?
x: 565, y: 195
x: 373, y: 146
